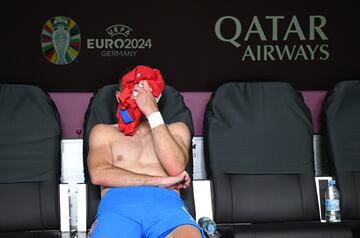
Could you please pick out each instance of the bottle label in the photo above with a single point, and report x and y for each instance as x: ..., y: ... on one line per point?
x: 332, y: 205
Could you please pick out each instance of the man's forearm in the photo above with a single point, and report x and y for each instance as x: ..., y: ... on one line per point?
x: 117, y: 177
x: 170, y: 153
x: 111, y: 176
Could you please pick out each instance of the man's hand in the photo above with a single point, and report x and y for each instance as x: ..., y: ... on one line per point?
x: 180, y: 181
x: 144, y: 98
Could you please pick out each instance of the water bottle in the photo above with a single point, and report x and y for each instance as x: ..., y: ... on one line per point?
x: 209, y: 226
x: 332, y: 202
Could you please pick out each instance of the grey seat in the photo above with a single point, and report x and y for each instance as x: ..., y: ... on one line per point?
x: 102, y: 109
x: 259, y: 157
x: 30, y: 137
x: 341, y: 120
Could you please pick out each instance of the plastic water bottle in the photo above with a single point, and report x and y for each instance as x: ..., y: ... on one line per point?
x: 332, y: 202
x: 209, y: 226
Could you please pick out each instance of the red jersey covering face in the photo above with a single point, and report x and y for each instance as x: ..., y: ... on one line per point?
x: 128, y: 112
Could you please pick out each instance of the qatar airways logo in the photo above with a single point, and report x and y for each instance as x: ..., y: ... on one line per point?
x: 118, y: 42
x: 273, y: 44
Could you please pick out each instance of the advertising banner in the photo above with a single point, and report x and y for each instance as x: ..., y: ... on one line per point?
x: 197, y: 45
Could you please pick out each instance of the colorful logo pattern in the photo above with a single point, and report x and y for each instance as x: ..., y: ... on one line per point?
x: 60, y: 40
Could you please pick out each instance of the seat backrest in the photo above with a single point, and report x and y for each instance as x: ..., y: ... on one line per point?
x: 30, y: 157
x: 102, y: 109
x: 341, y: 129
x: 259, y: 153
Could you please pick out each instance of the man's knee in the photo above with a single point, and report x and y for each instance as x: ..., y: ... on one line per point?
x: 185, y: 231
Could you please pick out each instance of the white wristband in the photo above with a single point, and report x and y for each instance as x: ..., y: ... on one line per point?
x: 155, y: 119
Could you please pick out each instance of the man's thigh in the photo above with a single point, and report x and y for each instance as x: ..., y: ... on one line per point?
x: 114, y: 226
x: 185, y: 231
x: 172, y: 222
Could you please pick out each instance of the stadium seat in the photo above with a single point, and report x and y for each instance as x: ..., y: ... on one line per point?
x: 30, y: 137
x: 341, y: 130
x: 102, y: 109
x: 259, y: 158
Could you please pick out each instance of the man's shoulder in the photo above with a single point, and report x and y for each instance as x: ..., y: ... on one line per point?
x: 102, y: 134
x: 105, y: 126
x: 178, y: 127
x: 103, y: 129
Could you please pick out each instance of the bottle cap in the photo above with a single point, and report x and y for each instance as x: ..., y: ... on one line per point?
x: 208, y: 225
x: 332, y: 182
x: 210, y: 228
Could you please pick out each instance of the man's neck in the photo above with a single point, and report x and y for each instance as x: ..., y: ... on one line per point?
x: 143, y: 127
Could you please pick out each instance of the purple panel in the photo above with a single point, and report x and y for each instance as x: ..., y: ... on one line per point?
x: 72, y: 107
x: 314, y: 100
x: 196, y: 102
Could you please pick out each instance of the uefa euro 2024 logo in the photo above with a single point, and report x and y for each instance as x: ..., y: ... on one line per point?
x: 60, y: 40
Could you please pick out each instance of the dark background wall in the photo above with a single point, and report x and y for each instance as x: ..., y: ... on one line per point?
x: 310, y: 43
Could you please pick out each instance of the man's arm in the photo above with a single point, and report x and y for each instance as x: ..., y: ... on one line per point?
x: 103, y: 172
x: 171, y: 143
x: 172, y: 146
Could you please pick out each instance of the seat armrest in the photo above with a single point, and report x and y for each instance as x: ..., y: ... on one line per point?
x: 203, y: 199
x: 81, y: 207
x: 64, y: 207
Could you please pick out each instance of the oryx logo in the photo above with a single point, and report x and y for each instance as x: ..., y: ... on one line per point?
x: 60, y: 40
x: 117, y: 42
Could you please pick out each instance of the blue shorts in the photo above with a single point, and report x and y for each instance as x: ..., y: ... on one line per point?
x: 140, y: 211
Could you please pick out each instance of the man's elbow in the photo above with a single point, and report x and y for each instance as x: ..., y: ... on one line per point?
x: 176, y: 169
x: 97, y: 178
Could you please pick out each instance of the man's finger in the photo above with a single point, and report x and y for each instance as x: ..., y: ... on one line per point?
x: 138, y: 88
x: 145, y: 84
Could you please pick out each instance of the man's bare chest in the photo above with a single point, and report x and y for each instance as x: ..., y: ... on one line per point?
x: 133, y: 153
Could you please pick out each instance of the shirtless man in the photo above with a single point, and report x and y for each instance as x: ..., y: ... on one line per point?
x: 140, y: 176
